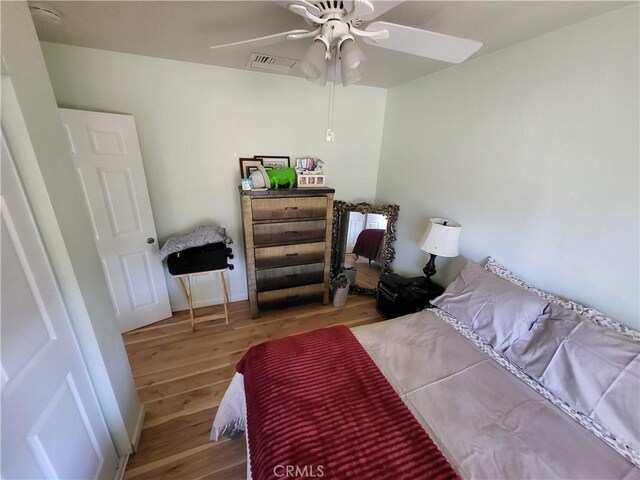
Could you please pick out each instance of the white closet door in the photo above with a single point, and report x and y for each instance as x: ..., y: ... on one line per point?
x: 52, y: 425
x: 107, y: 156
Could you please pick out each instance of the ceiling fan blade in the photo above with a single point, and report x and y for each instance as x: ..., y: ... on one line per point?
x: 359, y: 9
x: 303, y: 12
x: 423, y: 42
x: 260, y: 41
x: 305, y: 3
x: 379, y: 7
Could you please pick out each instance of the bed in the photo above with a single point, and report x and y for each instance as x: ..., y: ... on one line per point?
x: 490, y: 414
x: 369, y: 244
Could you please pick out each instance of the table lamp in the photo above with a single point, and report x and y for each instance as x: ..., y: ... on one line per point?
x: 441, y: 238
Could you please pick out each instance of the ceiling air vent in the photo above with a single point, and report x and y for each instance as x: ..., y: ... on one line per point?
x: 260, y: 61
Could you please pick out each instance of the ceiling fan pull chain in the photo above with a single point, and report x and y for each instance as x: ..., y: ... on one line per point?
x: 333, y: 90
x: 329, y: 135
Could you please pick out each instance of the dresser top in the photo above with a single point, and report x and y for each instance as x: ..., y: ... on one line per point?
x: 287, y: 192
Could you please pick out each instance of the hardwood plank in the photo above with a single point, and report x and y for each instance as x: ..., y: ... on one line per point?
x: 186, y: 403
x: 179, y: 354
x: 366, y: 276
x: 182, y: 375
x: 178, y: 319
x: 232, y: 473
x: 187, y: 383
x: 176, y: 373
x: 173, y: 437
x: 209, y: 461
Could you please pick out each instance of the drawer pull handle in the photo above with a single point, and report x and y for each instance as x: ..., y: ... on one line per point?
x: 291, y: 232
x: 292, y: 254
x: 293, y: 297
x: 290, y: 208
x: 291, y: 275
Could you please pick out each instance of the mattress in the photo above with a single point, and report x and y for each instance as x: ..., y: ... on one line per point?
x: 487, y: 422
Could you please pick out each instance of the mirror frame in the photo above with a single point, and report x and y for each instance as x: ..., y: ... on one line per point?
x: 339, y: 238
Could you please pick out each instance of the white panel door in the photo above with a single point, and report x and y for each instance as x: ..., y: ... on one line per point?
x: 107, y: 156
x: 52, y: 425
x: 376, y: 221
x: 356, y: 225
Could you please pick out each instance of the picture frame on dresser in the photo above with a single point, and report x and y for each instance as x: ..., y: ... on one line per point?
x: 248, y: 166
x: 271, y: 161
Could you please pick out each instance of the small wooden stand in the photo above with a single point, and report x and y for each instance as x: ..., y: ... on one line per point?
x: 186, y: 288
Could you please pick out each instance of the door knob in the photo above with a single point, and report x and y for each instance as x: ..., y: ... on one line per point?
x: 150, y: 240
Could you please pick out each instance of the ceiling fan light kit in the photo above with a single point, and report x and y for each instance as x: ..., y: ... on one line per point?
x: 335, y: 29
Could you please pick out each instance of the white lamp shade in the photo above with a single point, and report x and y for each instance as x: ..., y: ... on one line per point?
x: 314, y: 63
x: 441, y: 237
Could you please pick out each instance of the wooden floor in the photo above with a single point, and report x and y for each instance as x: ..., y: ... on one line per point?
x: 181, y: 377
x: 367, y: 275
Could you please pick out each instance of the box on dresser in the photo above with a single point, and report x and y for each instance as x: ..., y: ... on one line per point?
x: 287, y: 236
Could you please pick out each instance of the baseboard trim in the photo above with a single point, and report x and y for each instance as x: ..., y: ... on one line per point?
x: 137, y: 431
x: 122, y: 466
x: 178, y: 307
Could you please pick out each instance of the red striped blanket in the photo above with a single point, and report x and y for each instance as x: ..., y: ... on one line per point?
x: 319, y: 407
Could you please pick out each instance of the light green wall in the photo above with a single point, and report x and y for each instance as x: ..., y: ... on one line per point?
x: 534, y: 149
x: 32, y: 124
x: 195, y: 122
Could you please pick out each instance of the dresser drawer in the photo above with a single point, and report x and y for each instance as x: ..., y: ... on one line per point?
x: 271, y: 234
x: 288, y: 208
x: 289, y: 296
x: 272, y: 257
x: 285, y: 277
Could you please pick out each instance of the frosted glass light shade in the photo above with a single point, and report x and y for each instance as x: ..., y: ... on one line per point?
x: 314, y: 64
x: 321, y: 80
x: 350, y: 63
x: 351, y: 54
x: 349, y: 77
x: 441, y: 237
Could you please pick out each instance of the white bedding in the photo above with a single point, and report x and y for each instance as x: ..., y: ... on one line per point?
x: 487, y: 422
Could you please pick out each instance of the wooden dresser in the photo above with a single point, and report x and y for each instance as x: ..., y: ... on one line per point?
x: 287, y: 238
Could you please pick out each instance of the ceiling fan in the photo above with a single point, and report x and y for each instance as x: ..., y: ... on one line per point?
x: 336, y: 24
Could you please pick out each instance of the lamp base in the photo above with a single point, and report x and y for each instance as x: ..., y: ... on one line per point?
x: 425, y: 285
x: 430, y: 268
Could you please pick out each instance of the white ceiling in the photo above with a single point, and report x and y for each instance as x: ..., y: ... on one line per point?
x: 184, y: 30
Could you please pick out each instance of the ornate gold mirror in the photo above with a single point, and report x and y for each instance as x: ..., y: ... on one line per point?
x: 363, y: 242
